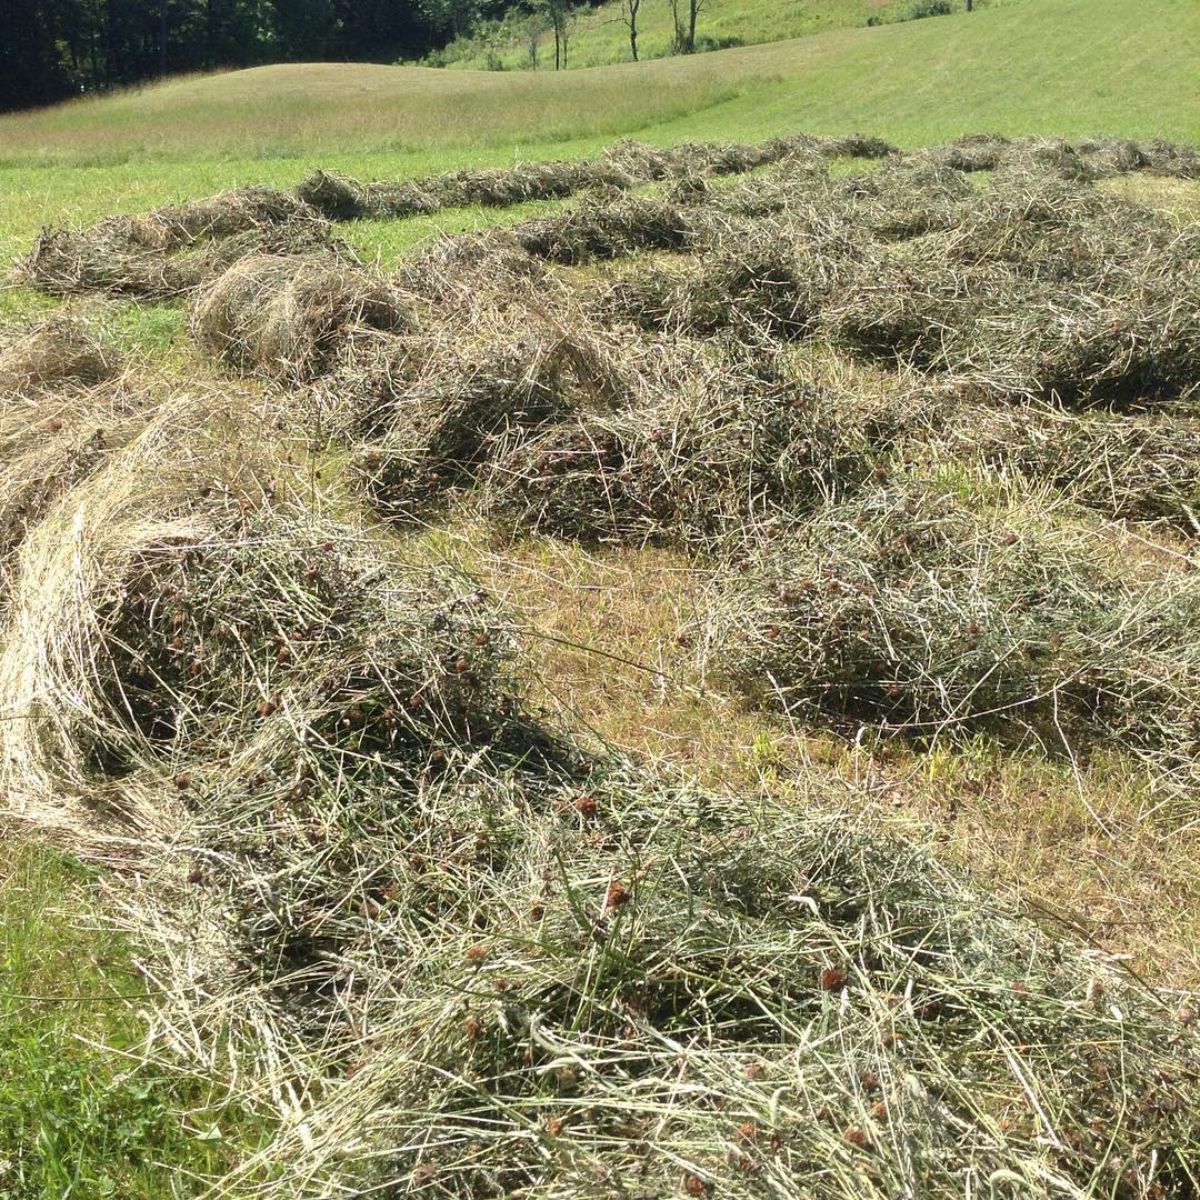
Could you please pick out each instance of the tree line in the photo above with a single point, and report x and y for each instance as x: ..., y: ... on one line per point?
x: 51, y: 49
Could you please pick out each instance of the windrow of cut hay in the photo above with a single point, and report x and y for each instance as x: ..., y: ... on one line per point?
x: 440, y: 948
x: 630, y: 164
x: 286, y: 316
x: 173, y: 250
x: 1086, y: 159
x: 627, y: 164
x: 66, y: 402
x: 926, y: 607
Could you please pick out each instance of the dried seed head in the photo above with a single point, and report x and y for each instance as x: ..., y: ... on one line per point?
x: 694, y: 1185
x: 616, y: 896
x: 833, y: 978
x: 477, y: 953
x: 586, y: 806
x: 473, y: 1028
x: 183, y: 781
x: 855, y: 1135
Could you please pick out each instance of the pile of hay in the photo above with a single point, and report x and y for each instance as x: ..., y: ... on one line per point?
x: 914, y: 609
x: 341, y: 198
x: 906, y: 199
x: 451, y: 272
x: 1129, y: 467
x: 607, y: 229
x: 173, y: 250
x: 714, y: 443
x: 451, y: 952
x: 1128, y: 334
x: 768, y: 283
x: 286, y: 317
x: 1053, y: 232
x: 56, y: 352
x: 438, y: 411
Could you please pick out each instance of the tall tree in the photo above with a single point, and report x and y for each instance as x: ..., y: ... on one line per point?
x: 684, y: 15
x: 629, y: 13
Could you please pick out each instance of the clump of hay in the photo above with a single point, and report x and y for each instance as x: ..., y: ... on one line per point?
x: 605, y: 230
x: 1082, y: 349
x: 341, y: 198
x: 522, y: 183
x: 172, y: 250
x: 443, y: 414
x: 903, y: 302
x: 1054, y: 231
x: 715, y: 444
x: 800, y: 190
x: 1121, y: 333
x: 974, y: 152
x: 448, y: 272
x: 768, y: 283
x: 58, y: 351
x: 1129, y: 467
x: 914, y: 609
x: 905, y: 199
x: 243, y: 210
x: 286, y: 317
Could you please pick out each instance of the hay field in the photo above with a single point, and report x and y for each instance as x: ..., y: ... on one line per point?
x: 692, y: 682
x: 533, y: 662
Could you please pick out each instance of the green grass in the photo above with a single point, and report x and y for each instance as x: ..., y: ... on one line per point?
x: 1072, y: 67
x: 78, y: 1116
x: 600, y: 36
x: 1069, y: 67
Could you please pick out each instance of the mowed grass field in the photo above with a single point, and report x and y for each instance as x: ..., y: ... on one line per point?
x: 1070, y: 68
x: 77, y: 1115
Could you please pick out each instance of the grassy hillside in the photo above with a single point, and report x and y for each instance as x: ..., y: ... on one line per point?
x: 600, y: 36
x: 1081, y: 67
x: 914, y: 83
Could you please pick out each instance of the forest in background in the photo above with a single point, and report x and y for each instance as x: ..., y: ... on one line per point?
x: 52, y: 49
